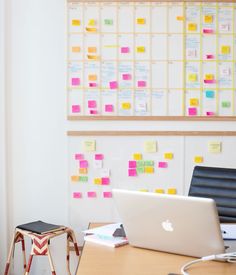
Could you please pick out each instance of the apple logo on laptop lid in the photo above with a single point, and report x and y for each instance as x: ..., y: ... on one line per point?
x: 167, y: 226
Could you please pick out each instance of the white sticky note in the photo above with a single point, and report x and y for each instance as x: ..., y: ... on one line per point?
x: 105, y: 173
x: 214, y: 147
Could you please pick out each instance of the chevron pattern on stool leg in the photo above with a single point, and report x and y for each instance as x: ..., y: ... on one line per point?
x: 40, y: 244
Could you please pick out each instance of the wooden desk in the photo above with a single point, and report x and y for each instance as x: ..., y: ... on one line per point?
x: 127, y: 260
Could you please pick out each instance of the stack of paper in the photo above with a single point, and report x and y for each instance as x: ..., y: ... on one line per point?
x: 104, y: 235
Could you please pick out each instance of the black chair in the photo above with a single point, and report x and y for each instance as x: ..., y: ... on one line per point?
x: 218, y: 184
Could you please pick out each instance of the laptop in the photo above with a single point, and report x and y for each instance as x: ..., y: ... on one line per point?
x: 171, y: 223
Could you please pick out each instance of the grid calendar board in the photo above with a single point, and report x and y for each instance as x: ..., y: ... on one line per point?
x: 151, y: 59
x: 158, y: 164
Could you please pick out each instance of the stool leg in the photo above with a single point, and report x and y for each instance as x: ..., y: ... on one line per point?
x: 51, y: 262
x: 23, y: 252
x: 29, y: 264
x: 7, y: 267
x: 70, y: 238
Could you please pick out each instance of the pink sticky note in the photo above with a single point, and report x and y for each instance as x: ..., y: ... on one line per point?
x: 92, y: 103
x: 209, y: 81
x: 79, y: 156
x: 77, y: 195
x: 105, y: 181
x: 162, y: 164
x: 210, y: 56
x: 75, y: 108
x: 75, y: 81
x: 83, y: 164
x: 109, y: 108
x: 124, y: 50
x: 132, y: 172
x: 142, y: 83
x: 132, y: 164
x: 92, y: 85
x: 208, y: 31
x: 107, y: 195
x: 192, y: 111
x: 93, y: 112
x: 210, y: 113
x: 98, y: 156
x: 91, y: 194
x: 113, y: 85
x: 126, y: 76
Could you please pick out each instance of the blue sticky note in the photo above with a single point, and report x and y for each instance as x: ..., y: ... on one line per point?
x: 210, y: 94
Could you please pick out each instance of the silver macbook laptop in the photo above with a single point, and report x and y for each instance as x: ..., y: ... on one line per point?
x: 171, y: 223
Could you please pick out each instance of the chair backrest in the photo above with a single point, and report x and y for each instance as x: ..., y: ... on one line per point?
x: 218, y: 184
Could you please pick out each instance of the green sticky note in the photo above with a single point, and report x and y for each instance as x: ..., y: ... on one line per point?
x: 83, y: 178
x: 149, y: 163
x: 108, y: 22
x: 225, y: 104
x: 139, y: 163
x: 140, y: 170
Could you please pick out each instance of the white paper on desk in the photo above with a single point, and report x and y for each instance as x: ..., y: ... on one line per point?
x: 228, y: 230
x: 105, y: 230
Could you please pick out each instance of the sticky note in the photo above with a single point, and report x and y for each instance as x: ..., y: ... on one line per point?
x: 225, y: 49
x: 159, y: 191
x: 150, y: 146
x: 90, y: 29
x: 210, y: 56
x: 209, y: 81
x: 210, y: 113
x: 92, y: 57
x: 93, y: 85
x: 148, y: 169
x: 83, y: 163
x: 140, y: 170
x: 125, y: 105
x: 140, y: 49
x: 75, y: 108
x: 180, y: 18
x: 124, y: 50
x: 191, y: 53
x: 77, y: 195
x: 92, y: 103
x: 171, y: 191
x: 93, y: 112
x: 92, y: 49
x: 168, y: 155
x: 149, y: 163
x: 97, y: 181
x: 98, y: 156
x: 208, y: 19
x: 75, y: 22
x: 225, y: 104
x: 75, y: 81
x: 192, y: 111
x: 126, y: 76
x: 210, y: 94
x: 192, y: 77
x: 97, y: 164
x: 89, y: 145
x: 83, y: 171
x: 109, y: 108
x: 92, y: 77
x: 137, y: 156
x: 105, y: 172
x: 107, y: 194
x: 141, y: 84
x: 105, y: 181
x: 224, y: 27
x: 208, y: 31
x: 75, y: 49
x: 74, y: 178
x: 132, y: 172
x: 193, y: 101
x: 108, y: 22
x: 140, y: 21
x: 79, y: 156
x: 132, y: 164
x: 91, y: 194
x: 192, y: 26
x: 143, y: 190
x: 162, y: 164
x: 83, y: 178
x: 214, y: 147
x: 209, y: 76
x: 92, y: 22
x: 198, y: 159
x: 113, y: 84
x: 140, y: 163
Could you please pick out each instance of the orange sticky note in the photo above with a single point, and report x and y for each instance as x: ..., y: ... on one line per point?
x: 92, y: 77
x: 75, y: 49
x: 92, y: 57
x: 180, y: 18
x: 75, y: 22
x: 92, y: 49
x: 74, y: 178
x: 83, y: 170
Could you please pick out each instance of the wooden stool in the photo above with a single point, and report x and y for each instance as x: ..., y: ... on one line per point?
x: 40, y: 247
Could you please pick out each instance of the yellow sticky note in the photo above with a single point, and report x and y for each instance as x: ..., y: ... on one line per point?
x: 192, y: 77
x: 149, y: 169
x: 125, y: 105
x: 180, y: 18
x: 74, y: 178
x: 92, y: 77
x: 75, y: 22
x: 192, y: 26
x: 92, y: 49
x: 159, y: 191
x: 225, y: 49
x: 91, y: 22
x: 198, y: 159
x: 209, y: 76
x: 214, y: 147
x: 143, y: 190
x: 141, y: 21
x: 150, y: 146
x: 97, y: 181
x: 90, y: 29
x: 193, y: 101
x: 140, y: 49
x: 172, y: 191
x: 168, y: 155
x: 92, y: 57
x: 75, y: 49
x: 83, y: 170
x: 89, y: 145
x: 137, y: 156
x: 208, y: 18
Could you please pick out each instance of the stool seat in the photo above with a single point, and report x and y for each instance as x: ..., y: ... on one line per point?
x: 40, y: 247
